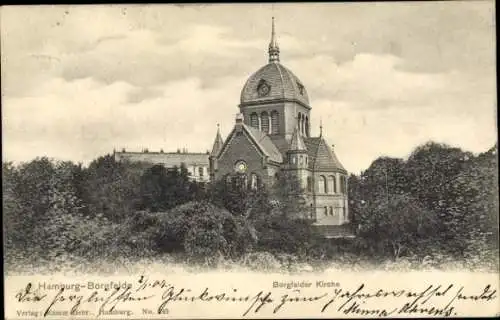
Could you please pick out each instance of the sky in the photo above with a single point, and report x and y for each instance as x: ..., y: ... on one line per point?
x: 384, y: 78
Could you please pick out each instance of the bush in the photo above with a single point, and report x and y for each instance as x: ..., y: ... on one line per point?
x: 261, y: 261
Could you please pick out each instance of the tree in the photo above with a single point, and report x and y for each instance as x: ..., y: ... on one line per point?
x: 113, y: 187
x: 236, y: 196
x: 396, y: 227
x: 204, y: 231
x: 162, y: 188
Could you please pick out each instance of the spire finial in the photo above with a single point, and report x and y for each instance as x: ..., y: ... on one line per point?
x: 320, y: 127
x: 274, y: 50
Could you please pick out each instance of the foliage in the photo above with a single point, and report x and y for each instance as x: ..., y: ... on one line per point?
x: 112, y: 187
x: 238, y: 198
x: 162, y: 189
x: 261, y: 261
x: 436, y: 209
x: 441, y: 199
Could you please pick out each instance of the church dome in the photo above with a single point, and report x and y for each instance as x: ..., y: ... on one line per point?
x: 272, y: 82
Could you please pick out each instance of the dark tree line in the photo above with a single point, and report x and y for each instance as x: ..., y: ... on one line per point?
x: 440, y: 201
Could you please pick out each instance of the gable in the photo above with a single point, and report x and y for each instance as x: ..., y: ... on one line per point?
x: 240, y: 146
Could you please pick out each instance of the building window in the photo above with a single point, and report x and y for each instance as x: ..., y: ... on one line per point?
x: 344, y: 213
x: 333, y: 184
x: 326, y: 211
x: 275, y: 122
x: 254, y: 120
x: 343, y: 184
x: 244, y: 182
x: 254, y: 181
x: 323, y: 188
x: 264, y: 121
x: 200, y: 171
x: 331, y: 211
x: 301, y: 88
x: 307, y: 126
x: 309, y: 184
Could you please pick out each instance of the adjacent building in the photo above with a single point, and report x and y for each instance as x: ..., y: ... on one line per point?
x: 196, y: 163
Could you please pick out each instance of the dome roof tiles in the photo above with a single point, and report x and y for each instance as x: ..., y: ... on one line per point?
x: 281, y: 83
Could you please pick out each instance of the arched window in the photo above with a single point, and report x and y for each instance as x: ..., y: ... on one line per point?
x: 275, y: 126
x: 254, y: 120
x: 331, y: 211
x: 326, y: 211
x: 264, y: 122
x: 244, y: 182
x: 307, y: 126
x: 299, y: 117
x: 330, y: 183
x: 343, y: 184
x: 309, y: 184
x: 344, y: 213
x: 333, y: 184
x: 322, y: 185
x: 254, y: 181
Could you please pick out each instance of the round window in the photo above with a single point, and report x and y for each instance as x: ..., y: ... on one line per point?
x: 240, y: 167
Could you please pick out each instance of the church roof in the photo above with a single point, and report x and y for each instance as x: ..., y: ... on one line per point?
x: 168, y: 159
x: 321, y: 156
x: 217, y: 144
x: 281, y: 84
x: 297, y: 143
x: 273, y: 81
x: 265, y: 143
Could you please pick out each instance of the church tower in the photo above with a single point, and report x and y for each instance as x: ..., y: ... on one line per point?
x: 274, y: 100
x: 271, y: 139
x: 297, y: 162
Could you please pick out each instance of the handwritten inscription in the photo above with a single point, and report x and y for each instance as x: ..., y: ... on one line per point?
x: 323, y: 297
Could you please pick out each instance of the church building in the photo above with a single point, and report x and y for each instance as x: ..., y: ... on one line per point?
x: 271, y: 136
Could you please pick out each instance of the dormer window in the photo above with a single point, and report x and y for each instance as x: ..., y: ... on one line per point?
x: 301, y: 88
x: 263, y: 88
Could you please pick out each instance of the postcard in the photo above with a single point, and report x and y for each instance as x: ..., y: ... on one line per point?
x: 216, y: 161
